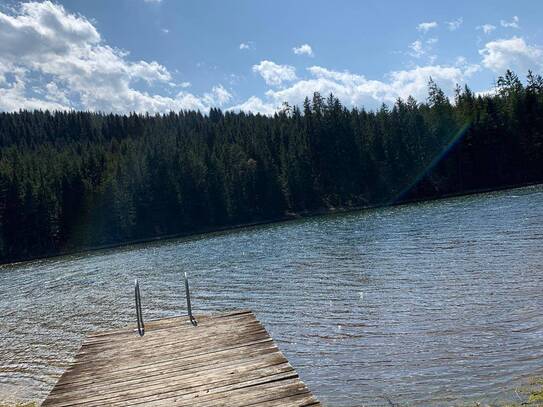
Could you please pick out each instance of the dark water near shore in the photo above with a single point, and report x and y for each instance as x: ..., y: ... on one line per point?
x: 429, y: 303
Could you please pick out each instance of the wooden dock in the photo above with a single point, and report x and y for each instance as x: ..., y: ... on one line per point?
x: 227, y: 360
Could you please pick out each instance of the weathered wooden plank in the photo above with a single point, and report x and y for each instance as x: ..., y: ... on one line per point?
x: 166, y: 353
x: 167, y: 337
x: 271, y: 357
x: 69, y: 376
x: 228, y: 359
x: 181, y: 328
x: 166, y: 323
x: 163, y: 337
x: 247, y: 393
x: 180, y: 385
x: 199, y: 361
x: 172, y: 344
x: 302, y: 399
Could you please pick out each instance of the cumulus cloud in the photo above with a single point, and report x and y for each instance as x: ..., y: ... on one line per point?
x: 487, y: 28
x: 455, y: 24
x: 41, y: 39
x: 218, y: 96
x: 356, y: 90
x: 513, y: 53
x: 53, y: 59
x: 514, y: 23
x: 275, y: 74
x: 149, y: 72
x: 13, y: 95
x: 255, y: 105
x: 425, y: 27
x: 304, y: 49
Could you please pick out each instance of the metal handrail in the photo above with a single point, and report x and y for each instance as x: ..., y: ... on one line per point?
x: 139, y: 315
x: 193, y: 320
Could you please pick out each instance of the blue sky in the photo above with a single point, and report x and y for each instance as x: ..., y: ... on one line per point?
x: 155, y: 56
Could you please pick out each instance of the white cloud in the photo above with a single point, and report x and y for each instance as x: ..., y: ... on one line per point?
x: 304, y: 49
x: 149, y: 72
x: 514, y: 23
x: 455, y: 24
x: 165, y: 31
x: 42, y: 40
x: 513, y: 53
x: 425, y: 27
x: 218, y: 96
x: 275, y: 74
x: 13, y: 96
x: 414, y: 82
x: 255, y: 105
x: 487, y: 28
x: 55, y: 94
x: 417, y: 49
x: 486, y: 92
x: 357, y: 90
x: 3, y: 71
x: 153, y: 1
x: 467, y: 68
x: 247, y: 45
x: 52, y: 59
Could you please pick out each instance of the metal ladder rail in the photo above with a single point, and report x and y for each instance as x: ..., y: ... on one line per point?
x: 139, y: 314
x: 193, y: 320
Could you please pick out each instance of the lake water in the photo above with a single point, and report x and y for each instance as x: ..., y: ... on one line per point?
x: 430, y: 303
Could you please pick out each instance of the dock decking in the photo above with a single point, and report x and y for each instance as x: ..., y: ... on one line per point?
x: 227, y: 360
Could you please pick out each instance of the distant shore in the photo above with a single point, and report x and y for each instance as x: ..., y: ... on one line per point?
x: 287, y: 217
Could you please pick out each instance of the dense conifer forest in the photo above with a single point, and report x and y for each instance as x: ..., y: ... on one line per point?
x: 74, y: 180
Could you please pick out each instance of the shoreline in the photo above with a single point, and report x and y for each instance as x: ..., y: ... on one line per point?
x: 286, y: 218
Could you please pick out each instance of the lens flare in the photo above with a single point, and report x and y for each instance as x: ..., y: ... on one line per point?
x: 457, y: 137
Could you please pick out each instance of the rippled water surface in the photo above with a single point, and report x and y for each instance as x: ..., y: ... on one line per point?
x: 429, y: 303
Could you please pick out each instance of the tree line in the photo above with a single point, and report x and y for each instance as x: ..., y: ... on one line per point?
x: 72, y: 180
